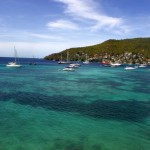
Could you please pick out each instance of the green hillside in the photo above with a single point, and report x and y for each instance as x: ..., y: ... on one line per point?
x: 139, y: 48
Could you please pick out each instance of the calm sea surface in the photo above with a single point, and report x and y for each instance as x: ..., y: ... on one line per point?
x: 92, y: 108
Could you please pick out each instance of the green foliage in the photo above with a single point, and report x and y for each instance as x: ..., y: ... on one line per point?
x: 140, y: 46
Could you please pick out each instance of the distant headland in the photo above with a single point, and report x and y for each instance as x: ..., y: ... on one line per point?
x: 133, y: 51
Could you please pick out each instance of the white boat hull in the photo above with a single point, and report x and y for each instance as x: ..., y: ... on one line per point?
x: 69, y: 69
x: 13, y: 66
x: 129, y: 68
x: 86, y: 62
x: 115, y: 64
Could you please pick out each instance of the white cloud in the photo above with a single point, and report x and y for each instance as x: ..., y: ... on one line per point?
x: 62, y: 24
x: 87, y: 9
x: 43, y: 36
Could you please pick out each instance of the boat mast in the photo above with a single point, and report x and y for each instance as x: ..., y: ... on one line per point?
x: 61, y: 58
x: 15, y: 54
x: 67, y: 57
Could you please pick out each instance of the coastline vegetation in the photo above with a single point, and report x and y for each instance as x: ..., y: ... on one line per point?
x: 136, y: 50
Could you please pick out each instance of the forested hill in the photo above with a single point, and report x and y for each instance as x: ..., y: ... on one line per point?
x: 139, y: 47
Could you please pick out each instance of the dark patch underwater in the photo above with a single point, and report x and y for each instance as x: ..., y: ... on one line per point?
x: 133, y: 111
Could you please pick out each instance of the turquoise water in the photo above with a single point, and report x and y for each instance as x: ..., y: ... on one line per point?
x: 92, y: 108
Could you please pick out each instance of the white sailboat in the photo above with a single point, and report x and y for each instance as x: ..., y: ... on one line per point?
x: 87, y: 60
x: 64, y: 62
x: 14, y: 63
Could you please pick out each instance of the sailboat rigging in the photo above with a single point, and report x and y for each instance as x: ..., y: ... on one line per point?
x: 14, y: 63
x: 86, y: 60
x: 64, y: 62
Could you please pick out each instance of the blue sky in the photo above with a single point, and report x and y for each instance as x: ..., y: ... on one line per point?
x: 41, y: 27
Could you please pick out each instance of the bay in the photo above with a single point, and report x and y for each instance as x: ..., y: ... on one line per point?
x: 43, y: 107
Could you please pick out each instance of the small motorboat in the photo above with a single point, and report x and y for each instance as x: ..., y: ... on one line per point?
x: 142, y: 65
x: 129, y: 68
x: 69, y: 69
x: 115, y: 64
